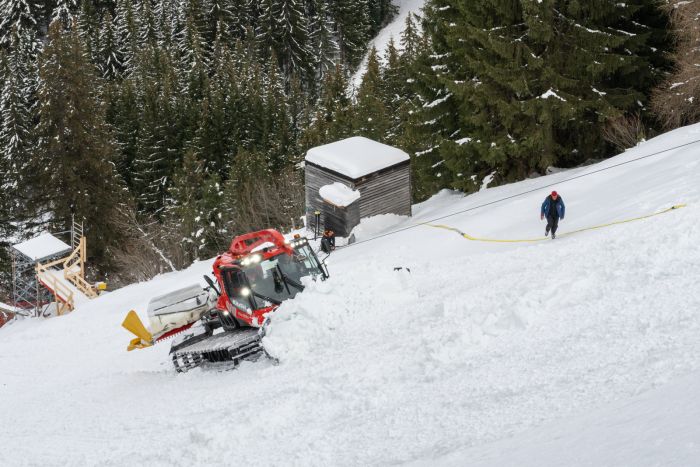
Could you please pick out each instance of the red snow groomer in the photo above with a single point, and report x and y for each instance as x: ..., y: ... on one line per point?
x: 259, y: 271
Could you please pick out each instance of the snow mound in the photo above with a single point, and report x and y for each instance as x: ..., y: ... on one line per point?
x: 338, y: 194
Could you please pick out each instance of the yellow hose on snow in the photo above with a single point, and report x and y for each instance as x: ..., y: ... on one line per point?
x: 539, y: 239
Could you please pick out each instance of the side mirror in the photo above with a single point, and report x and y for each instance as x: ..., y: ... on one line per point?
x: 208, y: 280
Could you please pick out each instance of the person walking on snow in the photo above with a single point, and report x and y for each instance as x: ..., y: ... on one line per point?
x: 553, y: 207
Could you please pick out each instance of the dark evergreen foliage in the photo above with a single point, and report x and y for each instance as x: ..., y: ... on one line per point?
x: 193, y: 116
x: 72, y: 170
x: 521, y: 86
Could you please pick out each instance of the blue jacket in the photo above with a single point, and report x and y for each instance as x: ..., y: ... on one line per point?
x: 561, y: 209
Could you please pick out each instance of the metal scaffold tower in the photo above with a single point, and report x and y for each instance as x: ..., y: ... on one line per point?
x: 49, y: 274
x: 28, y: 294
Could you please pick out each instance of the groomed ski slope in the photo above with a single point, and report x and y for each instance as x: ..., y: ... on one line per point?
x: 584, y: 350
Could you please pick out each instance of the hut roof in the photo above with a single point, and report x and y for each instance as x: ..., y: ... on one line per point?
x: 355, y: 157
x: 43, y: 246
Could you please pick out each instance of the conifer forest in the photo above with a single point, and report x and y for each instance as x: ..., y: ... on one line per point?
x: 169, y: 126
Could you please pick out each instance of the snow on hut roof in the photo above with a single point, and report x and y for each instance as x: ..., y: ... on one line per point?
x: 338, y: 194
x: 355, y: 157
x: 43, y: 246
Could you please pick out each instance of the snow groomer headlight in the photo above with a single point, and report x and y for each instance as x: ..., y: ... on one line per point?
x: 245, y: 291
x: 252, y: 259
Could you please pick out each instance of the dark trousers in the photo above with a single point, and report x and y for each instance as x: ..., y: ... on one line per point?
x: 552, y: 223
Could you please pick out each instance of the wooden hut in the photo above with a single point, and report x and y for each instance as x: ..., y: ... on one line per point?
x: 380, y: 173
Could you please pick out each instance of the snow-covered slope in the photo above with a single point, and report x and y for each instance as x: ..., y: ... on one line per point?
x: 488, y: 352
x: 391, y: 30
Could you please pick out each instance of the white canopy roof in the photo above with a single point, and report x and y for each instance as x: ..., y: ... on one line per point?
x: 43, y: 246
x: 338, y: 194
x: 355, y: 157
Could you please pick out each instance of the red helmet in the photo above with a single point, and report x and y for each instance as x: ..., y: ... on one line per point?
x: 554, y: 194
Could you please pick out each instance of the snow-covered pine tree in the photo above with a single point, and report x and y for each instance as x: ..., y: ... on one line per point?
x: 278, y: 132
x: 371, y: 114
x: 395, y: 92
x: 380, y: 13
x: 192, y: 210
x: 212, y: 136
x: 191, y: 50
x: 110, y: 56
x: 250, y: 124
x: 333, y: 117
x: 17, y: 114
x: 169, y: 21
x: 7, y: 183
x: 221, y: 20
x: 124, y: 115
x: 265, y: 29
x: 160, y: 136
x: 126, y: 25
x: 291, y: 37
x: 675, y: 101
x: 192, y: 73
x: 64, y: 12
x: 532, y: 83
x: 299, y: 109
x: 354, y: 26
x: 244, y: 15
x: 87, y: 21
x: 73, y: 173
x: 410, y: 39
x: 147, y: 24
x: 323, y: 40
x: 19, y: 17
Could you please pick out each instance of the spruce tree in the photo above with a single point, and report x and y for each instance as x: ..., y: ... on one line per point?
x: 8, y: 183
x: 532, y: 83
x: 111, y: 61
x: 353, y: 23
x: 371, y: 113
x: 123, y: 115
x: 291, y: 36
x: 278, y: 132
x: 147, y: 24
x: 410, y: 40
x: 193, y: 209
x: 17, y: 97
x: 394, y: 91
x: 160, y: 136
x: 333, y: 118
x: 72, y: 166
x: 324, y: 44
x: 19, y: 18
x: 221, y: 20
x: 127, y: 33
x: 87, y: 20
x: 64, y: 12
x: 380, y: 12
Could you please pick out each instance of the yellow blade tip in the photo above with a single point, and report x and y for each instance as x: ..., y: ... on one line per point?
x: 133, y: 324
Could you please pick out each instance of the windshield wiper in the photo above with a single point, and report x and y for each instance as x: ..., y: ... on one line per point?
x: 289, y: 281
x: 265, y: 297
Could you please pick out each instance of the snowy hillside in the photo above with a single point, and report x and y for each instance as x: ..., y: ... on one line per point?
x: 391, y: 30
x: 579, y: 351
